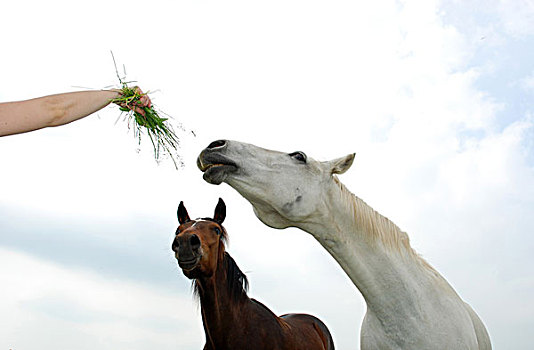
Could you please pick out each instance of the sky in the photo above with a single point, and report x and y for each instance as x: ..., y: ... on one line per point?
x: 434, y: 97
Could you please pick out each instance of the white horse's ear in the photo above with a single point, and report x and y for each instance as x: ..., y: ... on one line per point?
x: 340, y: 165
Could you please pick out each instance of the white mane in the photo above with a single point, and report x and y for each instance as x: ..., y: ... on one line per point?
x: 378, y: 228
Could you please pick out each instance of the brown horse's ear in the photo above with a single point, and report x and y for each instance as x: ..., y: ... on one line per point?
x: 220, y: 212
x: 183, y: 217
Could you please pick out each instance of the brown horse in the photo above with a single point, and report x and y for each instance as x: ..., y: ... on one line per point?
x: 231, y: 319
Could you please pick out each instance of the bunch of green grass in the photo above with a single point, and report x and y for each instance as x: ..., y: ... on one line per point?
x: 156, y: 127
x: 160, y: 132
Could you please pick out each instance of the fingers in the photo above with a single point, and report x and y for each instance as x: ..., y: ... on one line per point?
x: 140, y: 111
x: 144, y: 100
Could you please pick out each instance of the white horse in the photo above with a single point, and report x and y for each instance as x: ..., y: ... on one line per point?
x: 409, y: 304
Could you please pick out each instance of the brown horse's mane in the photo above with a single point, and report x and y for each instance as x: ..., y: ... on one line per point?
x: 237, y: 280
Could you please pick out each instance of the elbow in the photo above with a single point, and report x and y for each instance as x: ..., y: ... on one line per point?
x: 56, y: 112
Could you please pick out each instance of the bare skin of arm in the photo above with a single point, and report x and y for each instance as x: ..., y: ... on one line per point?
x: 54, y: 110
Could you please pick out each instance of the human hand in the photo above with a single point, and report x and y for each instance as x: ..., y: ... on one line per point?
x: 137, y: 102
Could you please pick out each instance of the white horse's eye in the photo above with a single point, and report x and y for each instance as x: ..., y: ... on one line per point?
x: 300, y: 156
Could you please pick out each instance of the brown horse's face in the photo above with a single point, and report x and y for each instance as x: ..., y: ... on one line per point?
x: 197, y: 244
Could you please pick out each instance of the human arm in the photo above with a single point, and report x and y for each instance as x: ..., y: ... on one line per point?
x: 54, y: 110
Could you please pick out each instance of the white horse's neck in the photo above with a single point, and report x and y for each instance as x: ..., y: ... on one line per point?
x: 374, y: 253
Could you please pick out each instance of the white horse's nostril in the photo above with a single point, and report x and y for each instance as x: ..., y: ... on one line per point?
x: 217, y: 144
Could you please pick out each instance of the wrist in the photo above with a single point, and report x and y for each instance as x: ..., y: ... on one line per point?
x: 112, y: 94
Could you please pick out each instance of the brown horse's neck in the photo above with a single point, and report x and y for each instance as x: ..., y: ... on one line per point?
x: 223, y: 300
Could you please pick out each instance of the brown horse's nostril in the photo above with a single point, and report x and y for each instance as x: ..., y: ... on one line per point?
x: 216, y: 144
x: 194, y: 241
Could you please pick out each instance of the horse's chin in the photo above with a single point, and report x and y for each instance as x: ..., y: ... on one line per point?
x: 189, y: 265
x: 216, y: 174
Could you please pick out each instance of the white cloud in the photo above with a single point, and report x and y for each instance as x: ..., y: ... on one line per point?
x: 66, y: 308
x: 517, y: 16
x: 528, y: 83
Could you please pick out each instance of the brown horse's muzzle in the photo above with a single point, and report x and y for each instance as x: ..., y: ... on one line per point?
x: 187, y: 250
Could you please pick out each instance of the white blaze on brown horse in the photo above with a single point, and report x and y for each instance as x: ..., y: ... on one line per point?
x: 409, y: 304
x: 231, y: 319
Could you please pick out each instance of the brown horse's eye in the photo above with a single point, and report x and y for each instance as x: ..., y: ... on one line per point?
x: 217, y: 231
